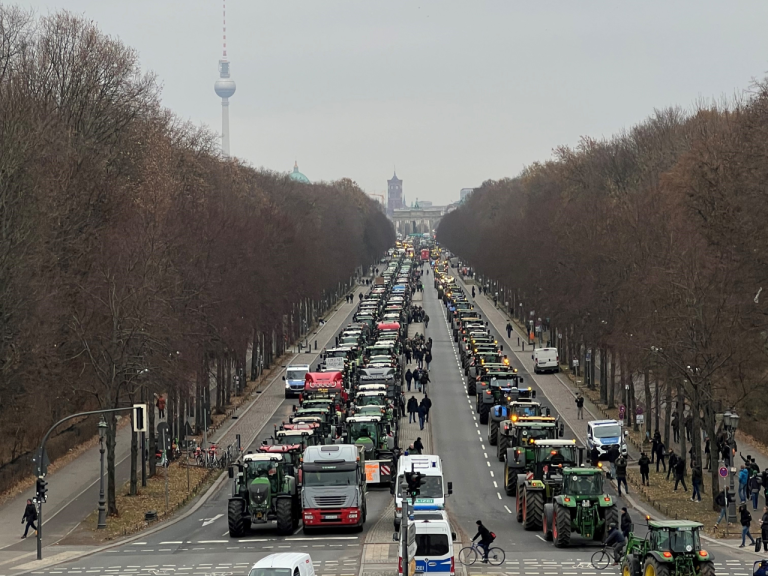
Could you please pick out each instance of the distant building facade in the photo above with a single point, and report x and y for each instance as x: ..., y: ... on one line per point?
x: 464, y: 193
x: 394, y: 195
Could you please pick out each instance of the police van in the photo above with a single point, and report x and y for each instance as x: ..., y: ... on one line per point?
x: 603, y: 435
x: 431, y: 543
x: 433, y: 490
x: 294, y: 379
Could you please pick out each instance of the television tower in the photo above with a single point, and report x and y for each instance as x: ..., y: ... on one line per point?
x: 224, y: 87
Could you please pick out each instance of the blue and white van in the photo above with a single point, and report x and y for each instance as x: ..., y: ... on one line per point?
x: 433, y: 490
x: 434, y: 543
x: 294, y: 379
x: 603, y: 434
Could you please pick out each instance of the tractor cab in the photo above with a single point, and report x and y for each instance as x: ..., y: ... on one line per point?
x: 370, y: 432
x: 671, y: 547
x: 376, y: 398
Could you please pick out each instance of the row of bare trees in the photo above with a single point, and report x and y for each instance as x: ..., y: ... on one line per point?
x: 134, y: 259
x: 649, y: 250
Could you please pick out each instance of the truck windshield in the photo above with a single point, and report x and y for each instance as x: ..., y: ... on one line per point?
x: 329, y: 478
x: 607, y: 431
x: 431, y: 545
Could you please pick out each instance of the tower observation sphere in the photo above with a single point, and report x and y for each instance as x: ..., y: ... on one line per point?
x: 225, y: 88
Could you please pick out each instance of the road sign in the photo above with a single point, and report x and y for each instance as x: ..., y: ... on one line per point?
x: 723, y: 471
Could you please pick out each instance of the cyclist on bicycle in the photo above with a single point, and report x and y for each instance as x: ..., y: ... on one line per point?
x: 485, y: 539
x: 615, y: 539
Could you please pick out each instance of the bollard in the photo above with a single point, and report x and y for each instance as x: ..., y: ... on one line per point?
x: 523, y: 346
x: 315, y: 345
x: 518, y: 341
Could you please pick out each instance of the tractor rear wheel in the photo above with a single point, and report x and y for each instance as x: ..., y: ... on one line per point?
x: 706, y: 569
x: 561, y: 526
x: 484, y: 410
x: 471, y: 387
x: 503, y: 444
x: 519, y: 504
x: 534, y: 510
x: 236, y: 518
x: 655, y: 568
x: 285, y: 516
x: 493, y: 432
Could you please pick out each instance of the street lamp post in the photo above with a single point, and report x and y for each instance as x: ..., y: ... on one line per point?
x: 102, y: 502
x: 731, y: 423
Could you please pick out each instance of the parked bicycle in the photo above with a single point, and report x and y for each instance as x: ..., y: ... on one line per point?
x: 470, y: 554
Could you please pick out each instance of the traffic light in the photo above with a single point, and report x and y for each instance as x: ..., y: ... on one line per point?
x: 139, y: 418
x: 414, y: 480
x: 42, y: 489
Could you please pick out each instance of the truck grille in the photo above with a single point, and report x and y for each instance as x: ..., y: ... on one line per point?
x: 330, y: 501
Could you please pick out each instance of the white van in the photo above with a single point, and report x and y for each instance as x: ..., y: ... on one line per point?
x: 432, y: 492
x: 603, y: 435
x: 434, y: 543
x: 545, y: 360
x: 284, y: 564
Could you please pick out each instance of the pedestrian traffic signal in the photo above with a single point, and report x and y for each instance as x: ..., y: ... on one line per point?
x: 42, y: 489
x: 139, y: 418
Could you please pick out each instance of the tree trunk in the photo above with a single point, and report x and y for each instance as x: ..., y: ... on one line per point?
x: 228, y: 384
x: 696, y: 426
x: 668, y: 407
x: 680, y: 410
x: 111, y: 480
x: 612, y: 386
x: 603, y: 375
x: 220, y: 383
x: 657, y: 403
x: 709, y: 424
x: 648, y: 403
x: 152, y: 450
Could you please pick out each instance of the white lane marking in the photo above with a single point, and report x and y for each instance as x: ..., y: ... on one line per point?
x: 485, y: 455
x: 507, y: 509
x: 489, y: 464
x: 495, y: 485
x: 483, y: 446
x: 212, y: 541
x: 208, y: 521
x: 540, y: 537
x: 497, y: 494
x: 491, y: 473
x: 173, y: 542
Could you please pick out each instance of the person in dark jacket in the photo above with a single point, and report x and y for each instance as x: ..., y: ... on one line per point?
x: 626, y: 522
x: 697, y: 478
x: 408, y: 378
x: 755, y: 483
x: 621, y: 474
x: 746, y: 519
x: 428, y: 358
x: 660, y: 451
x: 485, y: 539
x: 427, y: 403
x: 764, y: 528
x: 30, y: 515
x: 672, y: 462
x: 655, y: 445
x: 613, y: 455
x: 424, y: 380
x: 645, y: 468
x: 675, y: 428
x: 418, y: 446
x: 422, y: 415
x: 579, y: 406
x: 680, y: 473
x: 720, y: 501
x: 413, y: 408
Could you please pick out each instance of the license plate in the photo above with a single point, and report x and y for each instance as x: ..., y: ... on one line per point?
x: 331, y: 516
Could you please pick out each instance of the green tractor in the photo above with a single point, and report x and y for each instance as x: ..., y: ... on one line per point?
x: 544, y: 481
x: 516, y: 446
x: 581, y: 507
x: 264, y: 489
x: 670, y: 548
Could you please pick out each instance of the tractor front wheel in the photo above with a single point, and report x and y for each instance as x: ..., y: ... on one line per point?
x: 493, y: 432
x: 236, y: 518
x: 706, y: 569
x: 503, y: 444
x: 561, y: 526
x: 285, y: 516
x: 519, y: 504
x: 534, y: 510
x: 471, y: 387
x: 510, y: 481
x: 611, y: 517
x: 484, y: 410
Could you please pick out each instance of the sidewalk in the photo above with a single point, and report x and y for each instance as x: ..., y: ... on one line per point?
x: 82, y: 474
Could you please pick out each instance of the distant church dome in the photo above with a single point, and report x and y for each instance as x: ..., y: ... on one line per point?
x: 298, y: 176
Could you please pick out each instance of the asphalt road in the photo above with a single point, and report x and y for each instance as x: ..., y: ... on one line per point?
x: 200, y: 544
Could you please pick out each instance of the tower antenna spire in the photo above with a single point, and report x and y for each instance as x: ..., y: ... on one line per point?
x: 224, y: 86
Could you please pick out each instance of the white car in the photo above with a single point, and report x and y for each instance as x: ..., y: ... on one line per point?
x: 545, y: 360
x: 284, y: 564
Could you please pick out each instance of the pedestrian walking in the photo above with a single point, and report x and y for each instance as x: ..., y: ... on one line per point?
x: 680, y: 473
x: 675, y: 428
x: 660, y: 448
x: 408, y: 378
x: 422, y: 411
x: 621, y: 474
x: 708, y: 453
x: 579, y: 406
x: 509, y: 330
x: 764, y: 529
x: 645, y: 468
x: 655, y: 445
x: 413, y: 408
x: 743, y: 480
x: 720, y: 500
x: 594, y: 455
x: 426, y: 321
x: 30, y: 515
x: 746, y: 519
x: 688, y: 423
x: 427, y: 403
x: 626, y: 522
x: 754, y: 485
x: 160, y: 406
x: 697, y: 478
x: 418, y: 446
x: 473, y: 291
x: 672, y: 462
x: 424, y: 380
x: 407, y: 354
x: 613, y: 455
x: 428, y: 358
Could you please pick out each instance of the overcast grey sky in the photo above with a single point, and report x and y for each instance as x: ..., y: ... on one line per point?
x: 451, y: 92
